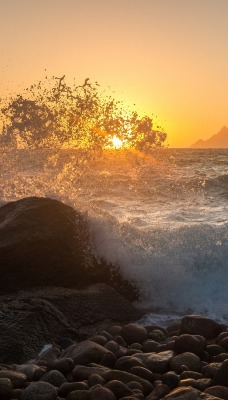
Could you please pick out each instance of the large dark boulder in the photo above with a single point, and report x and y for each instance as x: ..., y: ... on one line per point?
x: 42, y: 242
x: 30, y: 319
x: 45, y: 242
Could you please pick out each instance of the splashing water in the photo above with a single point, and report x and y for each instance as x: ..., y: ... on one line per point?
x: 52, y: 114
x: 161, y: 215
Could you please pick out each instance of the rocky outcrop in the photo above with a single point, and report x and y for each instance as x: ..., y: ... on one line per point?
x: 44, y: 242
x: 30, y: 319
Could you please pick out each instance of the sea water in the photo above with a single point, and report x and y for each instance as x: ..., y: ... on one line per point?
x: 163, y: 217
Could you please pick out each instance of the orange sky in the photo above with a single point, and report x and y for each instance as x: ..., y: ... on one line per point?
x: 169, y: 57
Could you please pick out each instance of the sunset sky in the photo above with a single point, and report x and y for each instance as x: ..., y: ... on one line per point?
x: 169, y: 57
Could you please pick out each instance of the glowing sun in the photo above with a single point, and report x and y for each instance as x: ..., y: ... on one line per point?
x: 116, y: 142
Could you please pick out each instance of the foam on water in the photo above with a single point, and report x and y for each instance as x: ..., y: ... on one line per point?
x: 179, y: 270
x: 162, y: 220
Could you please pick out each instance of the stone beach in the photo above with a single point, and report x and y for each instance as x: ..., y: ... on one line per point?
x: 69, y: 330
x: 188, y: 361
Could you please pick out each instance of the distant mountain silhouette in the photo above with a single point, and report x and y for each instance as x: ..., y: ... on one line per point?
x: 220, y: 140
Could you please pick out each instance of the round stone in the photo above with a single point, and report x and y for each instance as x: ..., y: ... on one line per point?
x: 39, y: 391
x: 134, y: 333
x: 189, y: 360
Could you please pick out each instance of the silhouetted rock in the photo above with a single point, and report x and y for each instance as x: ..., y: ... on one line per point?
x: 44, y: 242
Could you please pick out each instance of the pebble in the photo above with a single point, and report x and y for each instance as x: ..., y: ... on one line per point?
x: 102, y: 393
x: 189, y: 360
x: 183, y: 393
x: 134, y: 333
x: 118, y: 388
x: 39, y: 391
x: 18, y: 379
x: 6, y: 388
x: 185, y: 362
x: 53, y: 377
x: 69, y: 387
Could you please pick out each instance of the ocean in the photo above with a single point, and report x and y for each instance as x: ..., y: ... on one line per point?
x: 163, y: 217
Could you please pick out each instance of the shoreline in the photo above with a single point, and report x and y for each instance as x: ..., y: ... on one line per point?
x: 187, y: 360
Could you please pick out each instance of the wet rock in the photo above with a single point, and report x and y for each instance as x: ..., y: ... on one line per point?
x: 39, y: 391
x: 118, y: 388
x: 143, y: 373
x: 79, y: 395
x: 198, y: 325
x: 115, y: 330
x: 6, y: 389
x: 50, y: 355
x: 17, y: 393
x: 224, y: 343
x: 171, y: 379
x: 214, y: 350
x: 102, y: 393
x: 85, y: 352
x: 126, y: 363
x: 221, y: 336
x: 53, y: 377
x: 18, y: 379
x: 135, y: 385
x: 64, y: 365
x: 210, y: 370
x: 82, y: 372
x: 32, y: 371
x: 54, y: 238
x: 221, y: 376
x: 200, y: 384
x: 174, y: 328
x: 191, y: 374
x: 106, y: 334
x: 136, y: 346
x: 158, y: 362
x: 190, y: 360
x: 151, y: 328
x: 190, y: 343
x: 126, y: 377
x: 69, y: 387
x: 38, y: 315
x: 203, y: 383
x: 134, y: 333
x: 160, y: 390
x: 150, y: 346
x: 95, y: 379
x: 99, y: 339
x: 183, y: 393
x: 120, y: 340
x: 43, y: 233
x: 157, y: 335
x: 220, y: 357
x: 108, y: 359
x: 218, y: 391
x: 112, y: 346
x: 132, y: 352
x: 121, y: 352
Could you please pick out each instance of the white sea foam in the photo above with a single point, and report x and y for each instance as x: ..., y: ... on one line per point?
x: 178, y: 270
x: 163, y: 220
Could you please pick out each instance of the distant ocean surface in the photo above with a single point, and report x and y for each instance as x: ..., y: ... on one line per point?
x: 163, y: 218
